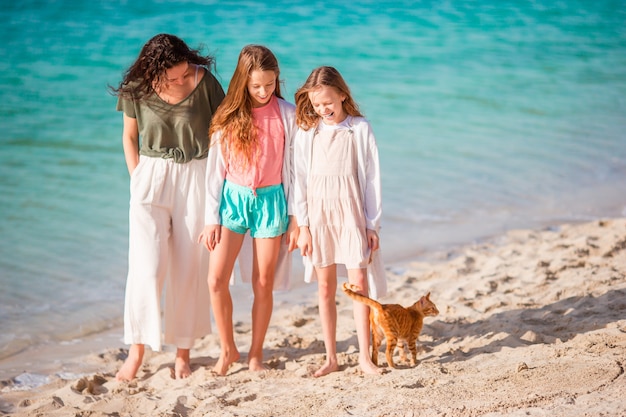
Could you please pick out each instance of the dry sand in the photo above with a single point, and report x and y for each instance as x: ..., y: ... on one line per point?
x: 530, y: 324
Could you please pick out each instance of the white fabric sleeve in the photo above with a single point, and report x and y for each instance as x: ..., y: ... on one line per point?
x: 373, y: 195
x: 288, y: 111
x: 215, y: 175
x: 301, y: 165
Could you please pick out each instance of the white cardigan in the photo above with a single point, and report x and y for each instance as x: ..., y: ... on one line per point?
x: 215, y: 175
x: 370, y: 189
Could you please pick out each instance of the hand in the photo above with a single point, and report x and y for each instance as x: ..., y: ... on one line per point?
x: 373, y: 241
x: 305, y: 241
x: 292, y: 234
x: 210, y: 236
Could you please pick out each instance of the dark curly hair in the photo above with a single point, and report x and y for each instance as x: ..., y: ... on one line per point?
x: 159, y: 54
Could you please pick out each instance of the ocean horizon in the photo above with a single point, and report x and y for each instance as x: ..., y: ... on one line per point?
x: 489, y: 116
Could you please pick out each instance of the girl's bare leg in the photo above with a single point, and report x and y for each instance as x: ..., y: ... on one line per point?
x: 361, y: 319
x: 128, y: 371
x: 221, y: 264
x: 265, y: 256
x: 327, y: 287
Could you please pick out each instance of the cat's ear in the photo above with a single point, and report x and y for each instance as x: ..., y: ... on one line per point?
x: 428, y: 296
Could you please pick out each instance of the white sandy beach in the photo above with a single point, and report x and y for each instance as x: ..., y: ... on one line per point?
x: 531, y: 324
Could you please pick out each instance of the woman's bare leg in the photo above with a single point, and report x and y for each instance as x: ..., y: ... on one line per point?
x: 128, y: 371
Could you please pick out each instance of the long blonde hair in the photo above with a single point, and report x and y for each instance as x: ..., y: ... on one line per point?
x: 306, y: 117
x: 234, y: 115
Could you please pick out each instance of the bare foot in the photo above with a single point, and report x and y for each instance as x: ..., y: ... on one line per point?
x: 181, y: 364
x: 224, y: 362
x: 128, y: 371
x: 256, y: 365
x: 369, y: 368
x: 329, y: 366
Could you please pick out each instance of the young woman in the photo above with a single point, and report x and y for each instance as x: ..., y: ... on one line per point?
x: 168, y: 97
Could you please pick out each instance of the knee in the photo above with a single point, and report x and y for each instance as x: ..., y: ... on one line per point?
x: 326, y: 291
x: 216, y: 284
x: 263, y: 287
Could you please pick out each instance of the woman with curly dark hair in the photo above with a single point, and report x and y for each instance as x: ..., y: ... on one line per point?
x: 168, y: 97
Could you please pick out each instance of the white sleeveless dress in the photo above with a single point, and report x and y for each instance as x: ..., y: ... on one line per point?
x: 336, y: 214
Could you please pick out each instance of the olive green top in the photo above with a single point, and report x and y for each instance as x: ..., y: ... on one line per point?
x: 176, y: 131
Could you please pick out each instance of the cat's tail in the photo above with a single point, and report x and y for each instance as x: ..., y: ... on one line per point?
x: 351, y: 291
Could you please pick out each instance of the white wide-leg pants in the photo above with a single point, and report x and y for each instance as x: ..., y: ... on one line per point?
x: 165, y: 219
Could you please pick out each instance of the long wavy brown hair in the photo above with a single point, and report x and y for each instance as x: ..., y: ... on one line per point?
x: 159, y: 54
x: 306, y: 117
x: 234, y: 116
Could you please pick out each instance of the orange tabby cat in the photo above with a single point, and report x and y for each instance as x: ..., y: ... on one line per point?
x: 394, y: 323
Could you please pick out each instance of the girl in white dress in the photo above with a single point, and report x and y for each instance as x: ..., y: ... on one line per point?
x: 337, y: 202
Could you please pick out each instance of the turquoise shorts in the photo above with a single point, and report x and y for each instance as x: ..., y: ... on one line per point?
x: 263, y: 212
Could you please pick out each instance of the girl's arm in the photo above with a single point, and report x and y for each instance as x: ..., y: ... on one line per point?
x: 289, y: 122
x: 305, y: 242
x: 215, y: 175
x: 373, y: 241
x: 301, y: 165
x: 293, y: 233
x: 130, y: 143
x: 210, y: 236
x: 373, y: 195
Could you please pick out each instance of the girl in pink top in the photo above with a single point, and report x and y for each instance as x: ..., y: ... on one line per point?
x: 249, y: 182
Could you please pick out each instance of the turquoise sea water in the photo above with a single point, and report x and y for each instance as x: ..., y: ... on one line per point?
x: 489, y: 115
